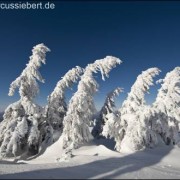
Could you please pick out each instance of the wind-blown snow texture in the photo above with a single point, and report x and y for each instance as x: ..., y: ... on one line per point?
x: 56, y: 108
x: 167, y: 108
x: 134, y: 129
x: 19, y: 131
x: 59, y: 133
x: 81, y: 106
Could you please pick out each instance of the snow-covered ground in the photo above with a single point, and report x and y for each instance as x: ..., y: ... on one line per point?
x: 94, y: 161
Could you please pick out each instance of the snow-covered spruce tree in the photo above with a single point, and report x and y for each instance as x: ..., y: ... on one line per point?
x: 108, y: 107
x: 57, y: 107
x: 19, y: 130
x: 81, y: 107
x: 134, y: 125
x: 167, y: 108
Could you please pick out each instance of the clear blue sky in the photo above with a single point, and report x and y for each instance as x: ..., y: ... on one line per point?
x: 142, y: 34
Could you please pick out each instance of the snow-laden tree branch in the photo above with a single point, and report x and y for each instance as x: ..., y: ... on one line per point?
x: 26, y: 82
x: 81, y: 107
x: 52, y: 126
x: 57, y: 106
x: 108, y: 107
x: 167, y: 107
x: 19, y: 130
x: 135, y: 131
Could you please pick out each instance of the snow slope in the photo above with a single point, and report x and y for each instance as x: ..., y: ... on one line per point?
x: 98, y: 161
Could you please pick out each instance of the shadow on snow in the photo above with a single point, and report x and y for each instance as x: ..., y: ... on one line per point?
x: 105, y: 168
